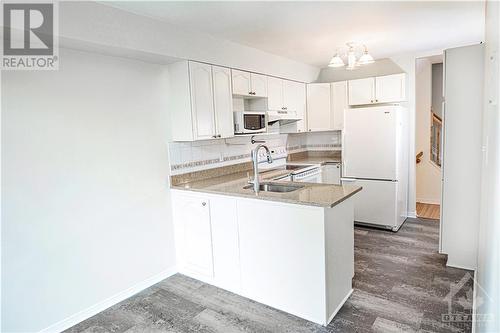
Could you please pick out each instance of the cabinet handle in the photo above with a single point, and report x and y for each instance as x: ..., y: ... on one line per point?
x: 203, y: 204
x: 371, y: 101
x: 218, y: 135
x: 376, y: 100
x: 214, y: 136
x: 309, y: 130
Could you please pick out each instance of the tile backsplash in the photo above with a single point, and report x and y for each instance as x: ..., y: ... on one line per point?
x: 199, y: 155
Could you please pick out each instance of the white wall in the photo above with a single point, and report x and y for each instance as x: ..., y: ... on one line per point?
x: 428, y: 175
x: 89, y: 22
x: 462, y: 135
x: 85, y: 206
x: 488, y: 266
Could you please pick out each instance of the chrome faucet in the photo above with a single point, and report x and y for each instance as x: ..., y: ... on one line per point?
x: 255, y: 160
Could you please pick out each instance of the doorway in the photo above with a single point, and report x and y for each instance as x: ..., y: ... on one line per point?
x: 428, y: 135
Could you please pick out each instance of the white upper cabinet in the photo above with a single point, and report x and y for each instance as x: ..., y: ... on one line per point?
x: 318, y: 107
x: 380, y: 89
x: 241, y: 83
x: 274, y: 94
x: 390, y: 88
x: 294, y: 97
x: 202, y: 105
x: 285, y: 95
x: 362, y: 91
x: 259, y: 85
x: 223, y: 101
x: 339, y: 103
x: 249, y: 84
x: 202, y: 100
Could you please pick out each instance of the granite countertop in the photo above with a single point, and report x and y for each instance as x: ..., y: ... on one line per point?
x: 315, y: 160
x: 312, y: 194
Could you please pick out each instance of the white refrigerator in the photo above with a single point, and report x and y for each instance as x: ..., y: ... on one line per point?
x: 375, y: 156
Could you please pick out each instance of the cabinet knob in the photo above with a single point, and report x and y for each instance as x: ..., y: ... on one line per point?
x: 376, y: 100
x: 309, y: 130
x: 371, y: 101
x: 218, y: 135
x: 203, y: 203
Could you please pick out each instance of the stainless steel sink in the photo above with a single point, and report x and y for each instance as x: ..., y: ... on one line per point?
x: 276, y: 187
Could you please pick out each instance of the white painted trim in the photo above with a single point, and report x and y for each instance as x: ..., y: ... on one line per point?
x: 459, y: 266
x: 339, y: 307
x: 103, y: 305
x: 412, y: 214
x: 474, y: 310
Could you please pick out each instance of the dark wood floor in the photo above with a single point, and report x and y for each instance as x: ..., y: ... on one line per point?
x: 401, y: 285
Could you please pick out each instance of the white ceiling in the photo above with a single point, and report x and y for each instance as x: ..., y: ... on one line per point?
x: 310, y: 32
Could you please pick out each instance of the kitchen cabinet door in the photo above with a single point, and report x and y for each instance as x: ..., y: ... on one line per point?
x: 226, y: 248
x: 275, y: 94
x: 202, y: 100
x: 191, y: 214
x: 318, y: 107
x: 330, y: 174
x: 241, y: 83
x: 362, y: 91
x: 390, y: 88
x: 223, y: 102
x: 339, y: 103
x: 300, y: 104
x: 294, y: 97
x: 259, y: 85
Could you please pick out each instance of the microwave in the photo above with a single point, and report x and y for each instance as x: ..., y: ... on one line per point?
x: 247, y: 122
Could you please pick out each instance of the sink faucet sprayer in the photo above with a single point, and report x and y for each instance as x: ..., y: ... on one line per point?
x: 255, y: 160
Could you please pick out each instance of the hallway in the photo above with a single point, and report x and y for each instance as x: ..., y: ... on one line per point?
x: 428, y: 211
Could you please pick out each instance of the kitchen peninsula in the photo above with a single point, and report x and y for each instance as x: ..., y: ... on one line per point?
x: 292, y: 250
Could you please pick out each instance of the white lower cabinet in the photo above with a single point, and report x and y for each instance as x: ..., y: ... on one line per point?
x: 193, y: 236
x: 206, y: 236
x: 223, y: 216
x: 296, y: 258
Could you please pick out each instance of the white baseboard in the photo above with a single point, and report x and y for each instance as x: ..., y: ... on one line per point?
x: 103, y: 305
x: 412, y: 214
x: 474, y: 304
x: 459, y: 266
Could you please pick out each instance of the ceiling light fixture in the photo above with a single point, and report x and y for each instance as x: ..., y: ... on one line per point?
x: 352, y: 59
